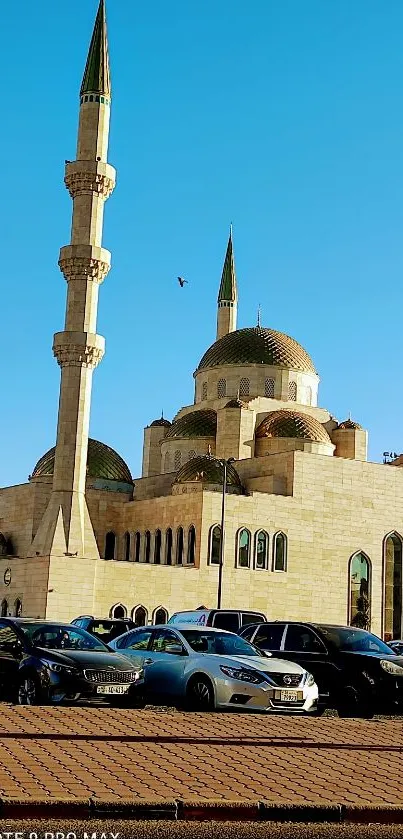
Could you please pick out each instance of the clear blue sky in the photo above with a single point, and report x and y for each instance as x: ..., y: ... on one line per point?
x: 284, y: 117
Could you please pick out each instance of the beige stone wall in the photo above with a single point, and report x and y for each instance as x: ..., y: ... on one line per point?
x: 153, y: 436
x: 350, y: 443
x: 307, y: 383
x: 187, y: 448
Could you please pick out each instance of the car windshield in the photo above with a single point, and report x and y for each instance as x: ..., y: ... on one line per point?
x: 108, y: 630
x: 56, y: 637
x: 354, y: 640
x: 218, y: 643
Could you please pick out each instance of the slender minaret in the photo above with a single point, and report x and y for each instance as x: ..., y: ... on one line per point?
x: 66, y: 527
x: 228, y: 294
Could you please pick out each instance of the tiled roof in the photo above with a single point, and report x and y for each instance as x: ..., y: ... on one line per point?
x: 96, y: 74
x: 257, y: 345
x: 292, y: 424
x: 102, y: 462
x: 208, y: 470
x: 194, y: 424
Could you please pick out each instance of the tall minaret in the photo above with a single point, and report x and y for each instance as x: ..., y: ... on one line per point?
x: 228, y: 294
x: 66, y: 527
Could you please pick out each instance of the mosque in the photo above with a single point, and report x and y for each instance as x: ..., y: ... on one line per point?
x: 312, y: 529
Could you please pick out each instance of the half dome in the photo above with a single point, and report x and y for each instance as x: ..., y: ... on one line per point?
x: 292, y: 424
x: 257, y: 345
x: 208, y: 470
x: 194, y: 424
x: 102, y: 462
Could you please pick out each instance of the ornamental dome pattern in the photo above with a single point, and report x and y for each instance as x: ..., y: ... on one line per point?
x: 257, y: 345
x: 102, y: 462
x: 208, y: 470
x: 292, y: 424
x: 195, y: 424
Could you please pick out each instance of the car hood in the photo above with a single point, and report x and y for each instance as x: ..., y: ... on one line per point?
x: 88, y: 659
x: 261, y: 663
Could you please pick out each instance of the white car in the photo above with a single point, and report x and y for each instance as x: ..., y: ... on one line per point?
x: 207, y: 669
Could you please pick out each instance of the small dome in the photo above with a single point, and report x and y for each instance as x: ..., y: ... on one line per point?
x: 257, y: 345
x: 292, y: 424
x: 208, y: 470
x: 348, y: 424
x: 194, y: 424
x: 161, y: 422
x: 237, y: 403
x: 102, y: 462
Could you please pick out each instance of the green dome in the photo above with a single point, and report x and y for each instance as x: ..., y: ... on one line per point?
x: 208, y: 470
x: 257, y: 345
x: 102, y: 462
x: 292, y: 424
x: 194, y: 424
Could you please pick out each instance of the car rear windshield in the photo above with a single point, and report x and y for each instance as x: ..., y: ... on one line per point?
x: 54, y: 637
x: 354, y: 640
x: 218, y: 643
x: 108, y: 630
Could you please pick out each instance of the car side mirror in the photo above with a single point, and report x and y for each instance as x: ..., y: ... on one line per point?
x: 173, y: 649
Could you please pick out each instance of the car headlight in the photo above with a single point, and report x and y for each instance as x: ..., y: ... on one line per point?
x: 251, y: 676
x: 393, y: 669
x: 55, y: 667
x: 309, y: 681
x: 139, y: 674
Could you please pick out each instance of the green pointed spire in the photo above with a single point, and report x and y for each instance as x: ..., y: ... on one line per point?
x: 228, y: 290
x: 96, y: 75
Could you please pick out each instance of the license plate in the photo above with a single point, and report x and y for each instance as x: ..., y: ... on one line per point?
x: 112, y: 688
x: 290, y: 695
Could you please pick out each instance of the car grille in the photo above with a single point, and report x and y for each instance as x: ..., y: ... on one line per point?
x: 287, y: 706
x: 110, y: 676
x: 287, y: 680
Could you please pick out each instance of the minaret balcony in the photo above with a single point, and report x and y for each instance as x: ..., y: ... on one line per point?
x: 87, y: 263
x: 90, y: 177
x: 78, y: 349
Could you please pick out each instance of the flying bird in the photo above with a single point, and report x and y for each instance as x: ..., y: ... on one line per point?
x: 181, y: 281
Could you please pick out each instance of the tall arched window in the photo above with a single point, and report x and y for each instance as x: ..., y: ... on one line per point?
x: 179, y: 546
x: 118, y: 611
x: 168, y: 546
x: 244, y: 387
x: 18, y: 608
x: 392, y: 583
x: 137, y: 546
x: 157, y: 547
x: 204, y: 390
x: 261, y: 549
x: 110, y: 545
x: 280, y: 552
x: 160, y: 615
x: 4, y: 608
x: 359, y: 591
x: 215, y: 545
x: 126, y: 552
x: 191, y: 546
x: 191, y: 455
x: 221, y: 388
x: 177, y: 460
x: 147, y: 546
x: 243, y: 548
x: 140, y: 615
x: 167, y: 462
x: 292, y: 391
x: 269, y: 388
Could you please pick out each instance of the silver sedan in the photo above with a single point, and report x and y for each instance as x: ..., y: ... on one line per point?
x: 205, y: 668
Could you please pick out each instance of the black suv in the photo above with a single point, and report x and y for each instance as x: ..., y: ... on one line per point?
x: 355, y: 671
x: 42, y: 662
x: 106, y: 629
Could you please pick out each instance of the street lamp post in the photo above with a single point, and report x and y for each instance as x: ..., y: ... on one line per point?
x: 224, y: 464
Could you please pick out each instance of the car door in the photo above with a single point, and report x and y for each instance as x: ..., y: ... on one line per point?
x: 165, y: 667
x: 267, y: 637
x: 11, y: 651
x: 302, y: 644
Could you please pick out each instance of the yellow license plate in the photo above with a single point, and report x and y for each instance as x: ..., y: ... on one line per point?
x: 290, y: 695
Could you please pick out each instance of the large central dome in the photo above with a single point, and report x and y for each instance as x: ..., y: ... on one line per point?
x: 257, y: 345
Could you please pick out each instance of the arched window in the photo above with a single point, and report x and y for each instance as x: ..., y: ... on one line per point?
x: 244, y: 387
x: 157, y: 547
x: 147, y: 546
x: 137, y: 547
x: 4, y: 608
x: 204, y: 390
x: 160, y: 615
x: 168, y: 546
x: 221, y: 388
x: 179, y: 546
x: 118, y: 611
x: 261, y: 549
x: 191, y: 545
x: 243, y: 548
x: 280, y: 552
x: 292, y: 391
x: 110, y: 545
x: 167, y: 462
x: 359, y: 591
x: 140, y: 616
x: 269, y: 388
x: 177, y: 460
x: 191, y: 455
x: 126, y: 552
x: 18, y: 608
x: 308, y: 395
x: 393, y: 582
x: 215, y: 545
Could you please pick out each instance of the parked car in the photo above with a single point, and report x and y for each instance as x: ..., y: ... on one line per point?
x: 356, y: 672
x: 396, y: 646
x: 44, y: 662
x: 106, y: 629
x: 230, y: 619
x: 205, y: 668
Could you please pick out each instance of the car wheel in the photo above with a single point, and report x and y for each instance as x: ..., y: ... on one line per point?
x: 200, y: 694
x: 29, y: 692
x: 352, y: 703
